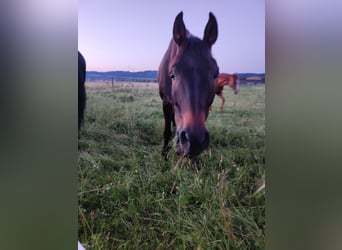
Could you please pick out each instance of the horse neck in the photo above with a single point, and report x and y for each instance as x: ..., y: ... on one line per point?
x: 227, y: 80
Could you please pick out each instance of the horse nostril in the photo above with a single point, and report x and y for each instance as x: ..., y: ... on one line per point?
x: 185, y: 141
x: 184, y: 137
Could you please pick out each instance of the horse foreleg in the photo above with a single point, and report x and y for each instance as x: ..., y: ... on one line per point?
x: 222, y: 103
x: 168, y: 117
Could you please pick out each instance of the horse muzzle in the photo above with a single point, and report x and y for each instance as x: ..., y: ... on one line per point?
x: 192, y: 141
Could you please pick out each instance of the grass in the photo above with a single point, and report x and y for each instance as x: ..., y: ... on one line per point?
x: 130, y: 198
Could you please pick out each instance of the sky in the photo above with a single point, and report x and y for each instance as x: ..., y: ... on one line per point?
x: 133, y: 35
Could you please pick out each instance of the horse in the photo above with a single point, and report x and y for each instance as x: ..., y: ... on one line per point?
x: 81, y: 89
x: 226, y: 79
x: 186, y: 81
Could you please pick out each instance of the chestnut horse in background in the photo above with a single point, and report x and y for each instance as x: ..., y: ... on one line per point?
x: 226, y: 79
x: 186, y: 79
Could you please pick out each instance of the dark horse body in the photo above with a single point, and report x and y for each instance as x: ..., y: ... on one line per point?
x: 186, y: 79
x: 81, y: 88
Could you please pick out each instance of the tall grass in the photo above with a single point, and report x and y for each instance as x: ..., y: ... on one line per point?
x: 130, y: 198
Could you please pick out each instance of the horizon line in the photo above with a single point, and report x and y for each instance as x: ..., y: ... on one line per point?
x: 157, y: 71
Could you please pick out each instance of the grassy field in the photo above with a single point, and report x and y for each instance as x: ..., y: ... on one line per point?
x: 130, y: 198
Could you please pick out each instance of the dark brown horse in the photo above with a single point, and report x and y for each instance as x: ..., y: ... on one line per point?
x: 226, y: 79
x: 186, y: 79
x: 81, y: 88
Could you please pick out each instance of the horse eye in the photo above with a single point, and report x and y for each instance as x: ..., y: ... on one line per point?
x: 172, y: 76
x: 177, y: 105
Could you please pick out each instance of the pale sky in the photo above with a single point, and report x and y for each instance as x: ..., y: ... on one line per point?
x: 134, y: 34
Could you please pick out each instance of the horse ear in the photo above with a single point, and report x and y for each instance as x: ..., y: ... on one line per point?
x: 179, y: 31
x: 211, y: 30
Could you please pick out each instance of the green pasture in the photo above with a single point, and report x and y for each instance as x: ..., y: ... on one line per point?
x: 131, y: 198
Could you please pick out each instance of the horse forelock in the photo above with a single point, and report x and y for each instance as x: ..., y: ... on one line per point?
x: 193, y: 53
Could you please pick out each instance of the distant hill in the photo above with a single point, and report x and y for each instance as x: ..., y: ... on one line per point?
x: 141, y: 76
x: 151, y: 76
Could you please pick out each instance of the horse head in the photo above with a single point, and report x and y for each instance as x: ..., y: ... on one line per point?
x: 193, y: 72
